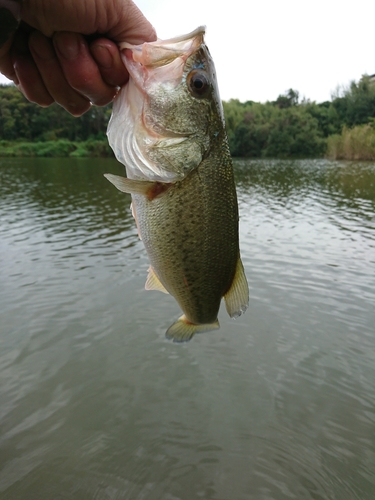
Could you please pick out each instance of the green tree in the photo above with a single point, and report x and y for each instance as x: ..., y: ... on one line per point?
x: 356, y: 105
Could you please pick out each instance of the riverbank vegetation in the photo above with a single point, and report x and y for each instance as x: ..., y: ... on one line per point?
x: 357, y: 143
x: 288, y: 127
x: 29, y: 130
x: 56, y: 148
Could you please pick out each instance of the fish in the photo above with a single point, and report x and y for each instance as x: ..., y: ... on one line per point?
x: 167, y: 128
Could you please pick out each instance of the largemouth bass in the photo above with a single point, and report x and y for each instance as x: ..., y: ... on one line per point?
x: 167, y: 128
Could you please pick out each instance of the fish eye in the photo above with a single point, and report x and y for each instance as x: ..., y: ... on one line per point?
x: 198, y: 83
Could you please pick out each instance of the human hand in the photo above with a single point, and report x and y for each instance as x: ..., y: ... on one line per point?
x: 66, y: 51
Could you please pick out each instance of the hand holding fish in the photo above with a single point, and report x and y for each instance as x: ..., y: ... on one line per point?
x: 65, y: 51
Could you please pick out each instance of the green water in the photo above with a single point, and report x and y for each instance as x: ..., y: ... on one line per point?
x: 95, y: 403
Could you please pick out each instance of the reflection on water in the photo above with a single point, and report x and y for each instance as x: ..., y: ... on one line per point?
x: 95, y: 403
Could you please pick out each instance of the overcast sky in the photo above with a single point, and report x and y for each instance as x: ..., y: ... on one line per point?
x: 262, y: 48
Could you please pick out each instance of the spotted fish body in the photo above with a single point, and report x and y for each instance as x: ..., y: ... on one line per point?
x: 167, y: 128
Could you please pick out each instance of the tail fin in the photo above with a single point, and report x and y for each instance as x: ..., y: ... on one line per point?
x: 183, y: 330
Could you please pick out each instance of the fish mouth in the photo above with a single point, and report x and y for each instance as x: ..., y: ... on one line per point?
x: 162, y: 61
x: 162, y: 52
x: 153, y: 64
x: 136, y: 133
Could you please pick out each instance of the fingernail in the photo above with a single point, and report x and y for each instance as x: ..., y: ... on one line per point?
x: 13, y: 76
x: 103, y: 56
x: 67, y: 45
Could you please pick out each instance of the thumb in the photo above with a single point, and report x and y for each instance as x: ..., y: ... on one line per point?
x: 131, y: 25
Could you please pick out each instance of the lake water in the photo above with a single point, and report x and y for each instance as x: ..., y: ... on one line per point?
x: 95, y: 403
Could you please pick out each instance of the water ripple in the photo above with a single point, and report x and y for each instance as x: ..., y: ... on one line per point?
x: 95, y: 403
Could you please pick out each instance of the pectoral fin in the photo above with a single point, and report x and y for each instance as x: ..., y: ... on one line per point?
x: 183, y: 330
x: 150, y: 189
x: 130, y: 186
x: 237, y: 297
x: 153, y: 282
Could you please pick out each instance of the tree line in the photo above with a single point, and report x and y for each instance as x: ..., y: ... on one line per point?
x: 288, y: 127
x: 25, y: 121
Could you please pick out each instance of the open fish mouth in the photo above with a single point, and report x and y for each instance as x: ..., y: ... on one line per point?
x: 161, y: 62
x: 162, y: 52
x: 145, y: 130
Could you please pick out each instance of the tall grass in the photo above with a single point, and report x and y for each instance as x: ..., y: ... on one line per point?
x: 357, y: 143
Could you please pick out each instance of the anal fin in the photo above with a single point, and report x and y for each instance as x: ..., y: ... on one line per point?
x: 153, y: 282
x: 237, y: 297
x: 182, y: 330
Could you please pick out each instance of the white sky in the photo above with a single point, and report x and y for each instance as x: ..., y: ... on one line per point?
x: 262, y: 48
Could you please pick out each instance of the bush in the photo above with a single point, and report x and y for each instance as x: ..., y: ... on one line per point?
x: 49, y: 149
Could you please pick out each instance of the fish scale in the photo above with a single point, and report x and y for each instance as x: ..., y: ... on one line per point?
x: 190, y: 233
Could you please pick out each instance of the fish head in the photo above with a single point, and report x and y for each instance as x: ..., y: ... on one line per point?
x: 166, y: 117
